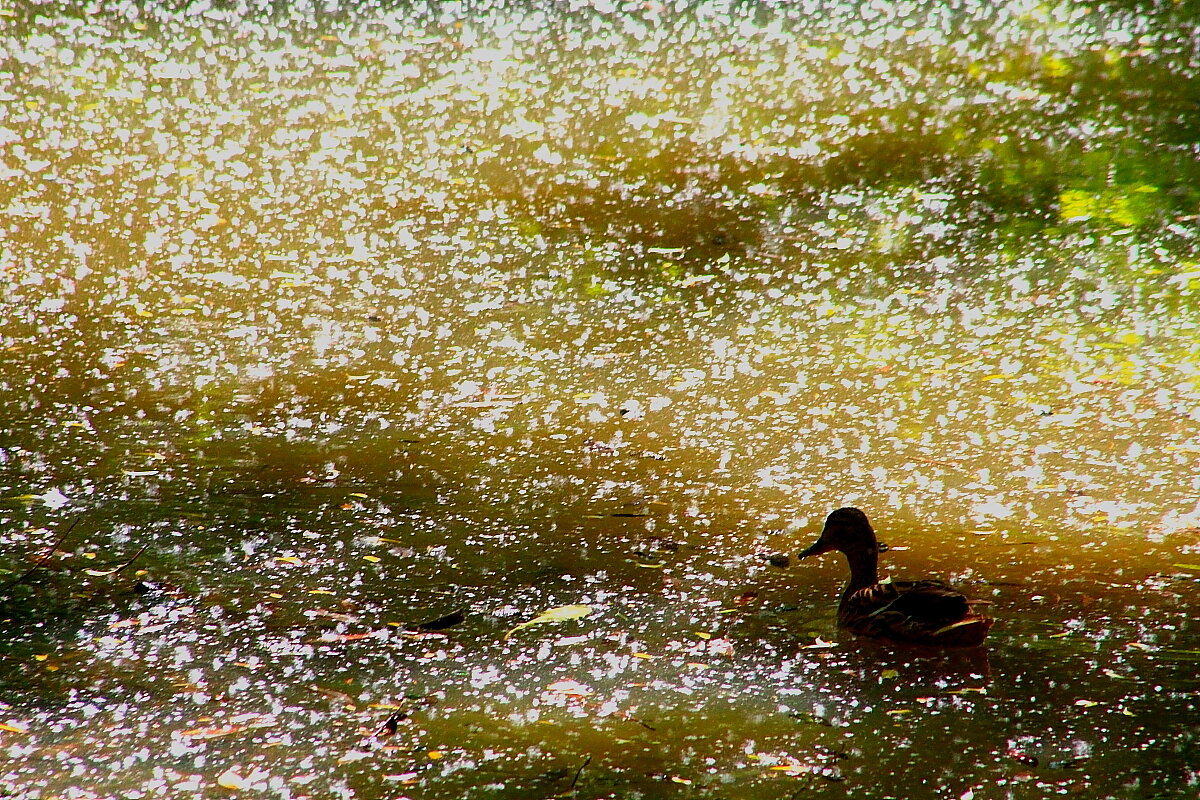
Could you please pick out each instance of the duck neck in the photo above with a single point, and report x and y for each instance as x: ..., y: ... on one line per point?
x: 864, y: 570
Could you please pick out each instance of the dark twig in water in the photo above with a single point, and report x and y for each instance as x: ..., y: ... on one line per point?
x: 645, y: 725
x: 136, y: 556
x: 579, y: 772
x: 41, y: 561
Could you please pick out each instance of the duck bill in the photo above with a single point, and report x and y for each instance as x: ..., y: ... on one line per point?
x: 821, y: 546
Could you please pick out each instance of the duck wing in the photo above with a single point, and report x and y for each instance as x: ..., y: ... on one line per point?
x: 929, y: 600
x: 919, y: 611
x: 925, y: 599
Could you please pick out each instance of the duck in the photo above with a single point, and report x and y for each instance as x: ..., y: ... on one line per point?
x: 924, y: 612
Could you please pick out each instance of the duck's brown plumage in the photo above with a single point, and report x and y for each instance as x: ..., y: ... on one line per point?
x: 921, y: 612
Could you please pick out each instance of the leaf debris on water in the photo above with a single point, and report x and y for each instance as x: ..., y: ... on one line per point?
x: 559, y: 614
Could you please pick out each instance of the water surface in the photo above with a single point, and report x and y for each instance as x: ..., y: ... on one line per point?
x: 356, y: 319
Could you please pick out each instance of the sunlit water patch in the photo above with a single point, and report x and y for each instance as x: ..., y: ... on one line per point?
x: 407, y: 400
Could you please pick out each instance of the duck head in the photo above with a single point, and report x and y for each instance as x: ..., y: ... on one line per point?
x: 849, y: 531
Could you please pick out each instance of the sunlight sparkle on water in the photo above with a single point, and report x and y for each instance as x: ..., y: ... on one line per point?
x: 363, y: 317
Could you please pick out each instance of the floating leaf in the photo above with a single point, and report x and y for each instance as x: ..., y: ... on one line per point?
x: 570, y: 688
x: 567, y: 641
x: 343, y: 637
x: 403, y: 777
x: 231, y: 780
x: 559, y: 614
x: 212, y: 733
x: 819, y: 643
x: 794, y: 769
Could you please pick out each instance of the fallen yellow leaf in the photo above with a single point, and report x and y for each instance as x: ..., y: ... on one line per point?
x: 231, y: 780
x: 559, y: 614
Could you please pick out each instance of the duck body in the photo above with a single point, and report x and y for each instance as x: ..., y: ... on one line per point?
x: 919, y: 612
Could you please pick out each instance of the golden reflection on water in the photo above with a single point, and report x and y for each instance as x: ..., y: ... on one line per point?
x: 530, y: 292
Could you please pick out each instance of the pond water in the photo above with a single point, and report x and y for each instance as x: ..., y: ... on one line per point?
x: 337, y: 342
